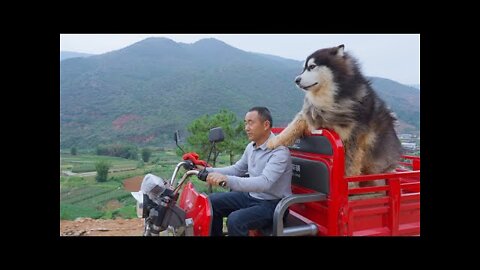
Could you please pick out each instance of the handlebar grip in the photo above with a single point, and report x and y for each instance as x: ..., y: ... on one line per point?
x: 202, y: 175
x: 189, y: 165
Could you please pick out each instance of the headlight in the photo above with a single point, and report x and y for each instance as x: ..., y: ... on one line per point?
x: 153, y: 186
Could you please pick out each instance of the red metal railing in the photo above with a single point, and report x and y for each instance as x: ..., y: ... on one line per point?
x: 395, y: 213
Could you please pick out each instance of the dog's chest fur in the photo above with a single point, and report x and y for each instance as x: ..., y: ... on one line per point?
x: 320, y: 114
x: 328, y: 115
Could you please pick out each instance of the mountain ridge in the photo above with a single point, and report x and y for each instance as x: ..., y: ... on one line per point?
x: 70, y: 54
x: 143, y: 92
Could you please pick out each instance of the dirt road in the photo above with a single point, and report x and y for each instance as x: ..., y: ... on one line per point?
x: 101, y: 227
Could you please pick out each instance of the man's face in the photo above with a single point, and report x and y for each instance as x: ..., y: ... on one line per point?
x: 254, y: 126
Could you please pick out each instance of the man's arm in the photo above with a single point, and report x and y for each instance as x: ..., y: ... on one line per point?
x: 276, y: 166
x: 240, y: 168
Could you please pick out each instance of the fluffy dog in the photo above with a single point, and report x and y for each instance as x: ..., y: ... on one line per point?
x: 338, y: 97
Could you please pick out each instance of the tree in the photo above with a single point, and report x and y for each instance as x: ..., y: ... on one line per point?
x: 239, y: 141
x: 102, y: 168
x: 73, y: 151
x: 146, y: 153
x: 235, y: 138
x: 118, y: 150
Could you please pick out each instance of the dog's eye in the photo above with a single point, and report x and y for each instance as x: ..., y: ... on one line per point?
x: 311, y: 67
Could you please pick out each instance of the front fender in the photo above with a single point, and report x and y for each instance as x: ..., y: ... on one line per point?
x: 197, y: 207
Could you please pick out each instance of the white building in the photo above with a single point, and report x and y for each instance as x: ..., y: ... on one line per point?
x: 405, y: 136
x: 409, y: 146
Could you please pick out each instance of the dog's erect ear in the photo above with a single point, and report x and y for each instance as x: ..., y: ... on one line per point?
x: 340, y: 50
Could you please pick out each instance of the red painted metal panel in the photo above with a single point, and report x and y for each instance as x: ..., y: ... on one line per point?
x: 197, y: 207
x: 396, y: 213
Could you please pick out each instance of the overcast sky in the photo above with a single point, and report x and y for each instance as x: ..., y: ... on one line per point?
x: 392, y: 56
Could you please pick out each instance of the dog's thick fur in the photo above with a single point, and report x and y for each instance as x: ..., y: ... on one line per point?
x: 339, y: 97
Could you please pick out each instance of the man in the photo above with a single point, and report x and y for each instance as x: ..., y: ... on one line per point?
x: 252, y: 201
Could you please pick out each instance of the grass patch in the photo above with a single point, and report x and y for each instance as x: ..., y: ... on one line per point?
x: 69, y: 182
x: 86, y: 162
x: 71, y: 212
x: 125, y: 212
x: 83, y: 167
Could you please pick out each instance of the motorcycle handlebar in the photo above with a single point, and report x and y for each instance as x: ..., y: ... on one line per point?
x: 202, y: 175
x: 174, y: 175
x: 190, y: 166
x: 184, y: 178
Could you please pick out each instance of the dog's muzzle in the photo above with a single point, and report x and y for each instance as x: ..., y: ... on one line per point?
x: 298, y: 79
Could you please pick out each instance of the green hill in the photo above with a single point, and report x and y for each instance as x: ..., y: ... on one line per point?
x: 142, y: 93
x: 403, y: 100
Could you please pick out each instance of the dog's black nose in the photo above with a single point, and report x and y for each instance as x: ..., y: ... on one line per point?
x: 298, y: 79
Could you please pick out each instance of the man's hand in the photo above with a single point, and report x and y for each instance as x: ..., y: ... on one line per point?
x: 215, y: 179
x: 200, y: 167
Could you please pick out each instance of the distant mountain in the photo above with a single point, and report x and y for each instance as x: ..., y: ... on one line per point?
x: 402, y: 99
x: 416, y: 86
x: 66, y: 55
x: 142, y: 93
x: 281, y: 59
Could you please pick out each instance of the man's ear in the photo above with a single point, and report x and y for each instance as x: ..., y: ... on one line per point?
x: 266, y: 124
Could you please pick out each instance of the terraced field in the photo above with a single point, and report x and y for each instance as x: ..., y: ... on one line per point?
x: 82, y: 196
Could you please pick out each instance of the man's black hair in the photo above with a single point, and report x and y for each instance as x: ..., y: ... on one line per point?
x: 264, y: 114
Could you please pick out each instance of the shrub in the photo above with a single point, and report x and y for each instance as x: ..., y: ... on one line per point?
x: 102, y: 168
x: 118, y: 150
x: 146, y: 153
x: 156, y: 160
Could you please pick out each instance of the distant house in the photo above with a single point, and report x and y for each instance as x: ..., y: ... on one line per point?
x: 409, y: 146
x: 405, y: 136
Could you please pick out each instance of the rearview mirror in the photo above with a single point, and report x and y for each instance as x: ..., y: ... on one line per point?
x: 216, y: 135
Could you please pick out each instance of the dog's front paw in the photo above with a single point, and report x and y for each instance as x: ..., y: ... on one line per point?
x: 272, y: 143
